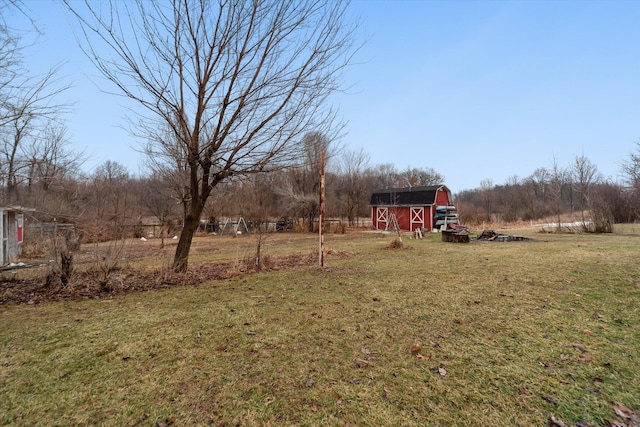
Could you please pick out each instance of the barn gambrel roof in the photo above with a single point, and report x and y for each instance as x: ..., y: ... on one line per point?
x: 410, y: 196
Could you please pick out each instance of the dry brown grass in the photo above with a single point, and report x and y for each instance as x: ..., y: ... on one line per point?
x: 510, y: 334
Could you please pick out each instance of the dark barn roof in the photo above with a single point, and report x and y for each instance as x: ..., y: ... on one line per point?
x: 411, y: 196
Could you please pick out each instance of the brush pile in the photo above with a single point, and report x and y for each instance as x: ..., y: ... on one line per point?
x: 492, y: 236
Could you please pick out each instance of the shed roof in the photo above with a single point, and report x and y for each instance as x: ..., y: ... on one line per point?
x: 410, y: 196
x: 16, y: 208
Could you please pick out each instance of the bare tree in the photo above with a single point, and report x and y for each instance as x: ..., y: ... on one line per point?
x: 540, y: 178
x: 49, y: 157
x: 315, y: 146
x: 10, y: 57
x: 156, y: 197
x: 631, y: 168
x: 27, y: 110
x: 65, y: 246
x: 171, y: 167
x: 353, y: 190
x: 631, y: 176
x: 236, y: 82
x: 487, y: 190
x: 28, y: 103
x: 511, y: 198
x: 110, y: 200
x: 258, y: 193
x: 303, y: 183
x: 585, y: 175
x: 536, y: 189
x: 416, y: 177
x: 385, y: 176
x: 558, y: 177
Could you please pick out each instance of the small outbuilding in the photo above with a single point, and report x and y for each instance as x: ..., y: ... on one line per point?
x: 412, y: 208
x: 11, y: 233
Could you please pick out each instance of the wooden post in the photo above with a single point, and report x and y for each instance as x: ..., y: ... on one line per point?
x: 321, y: 214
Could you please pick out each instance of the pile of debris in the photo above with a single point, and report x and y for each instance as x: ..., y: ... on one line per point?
x: 455, y: 233
x: 492, y: 236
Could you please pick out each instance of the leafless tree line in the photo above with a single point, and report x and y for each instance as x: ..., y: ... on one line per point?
x: 111, y: 202
x: 577, y: 189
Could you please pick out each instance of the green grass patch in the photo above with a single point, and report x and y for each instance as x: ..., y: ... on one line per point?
x: 510, y: 333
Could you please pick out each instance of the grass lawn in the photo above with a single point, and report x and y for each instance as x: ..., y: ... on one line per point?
x: 478, y: 334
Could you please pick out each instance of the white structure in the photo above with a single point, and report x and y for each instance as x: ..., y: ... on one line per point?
x: 11, y: 233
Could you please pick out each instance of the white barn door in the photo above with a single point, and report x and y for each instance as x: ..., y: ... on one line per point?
x: 417, y: 218
x: 382, y: 217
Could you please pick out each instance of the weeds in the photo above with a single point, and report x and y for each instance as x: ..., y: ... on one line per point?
x: 107, y: 259
x: 65, y: 245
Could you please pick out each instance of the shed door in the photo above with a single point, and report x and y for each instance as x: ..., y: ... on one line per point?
x: 20, y: 227
x: 4, y: 235
x: 382, y: 217
x: 417, y: 218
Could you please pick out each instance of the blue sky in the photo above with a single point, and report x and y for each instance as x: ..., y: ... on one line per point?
x: 475, y: 90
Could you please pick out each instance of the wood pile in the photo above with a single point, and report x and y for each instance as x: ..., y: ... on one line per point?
x: 457, y: 235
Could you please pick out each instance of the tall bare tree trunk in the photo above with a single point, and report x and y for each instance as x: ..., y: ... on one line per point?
x: 191, y: 223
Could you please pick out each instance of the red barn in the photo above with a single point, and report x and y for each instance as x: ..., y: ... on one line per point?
x: 412, y: 208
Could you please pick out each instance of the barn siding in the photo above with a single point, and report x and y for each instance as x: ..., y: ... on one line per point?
x: 404, y: 218
x: 442, y: 198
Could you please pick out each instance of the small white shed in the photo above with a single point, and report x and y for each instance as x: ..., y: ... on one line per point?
x: 11, y: 233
